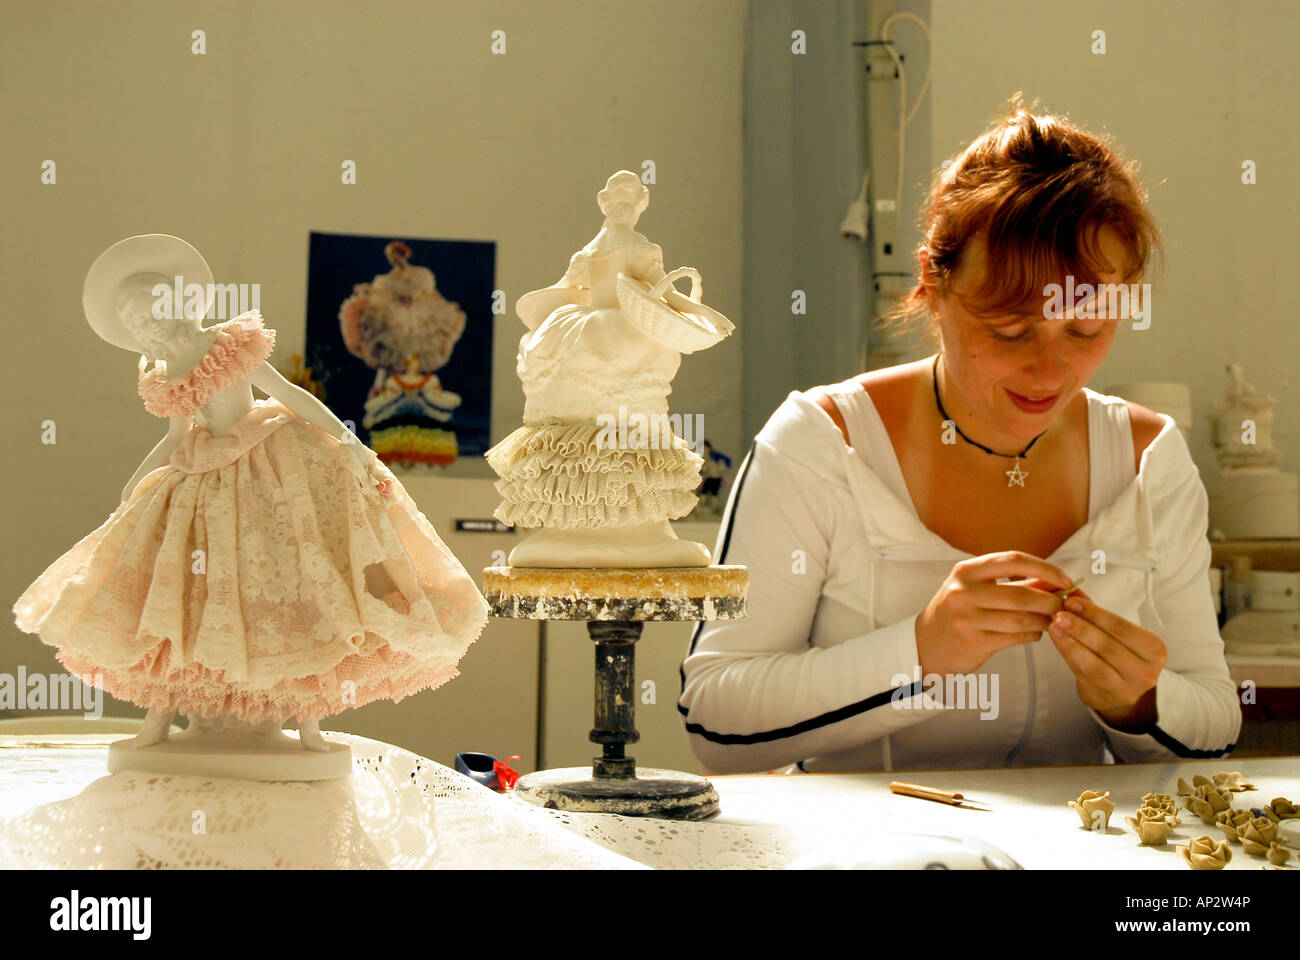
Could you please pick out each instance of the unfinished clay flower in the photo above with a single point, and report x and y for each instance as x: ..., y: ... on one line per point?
x: 1233, y: 781
x: 1094, y: 809
x: 1231, y: 822
x: 1257, y: 835
x: 1203, y: 853
x: 1165, y: 803
x: 1151, y: 826
x: 1280, y: 808
x: 1185, y: 788
x: 1277, y: 854
x: 1207, y: 800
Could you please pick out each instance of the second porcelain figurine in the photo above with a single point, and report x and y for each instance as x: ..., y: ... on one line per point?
x: 263, y: 565
x: 597, y: 465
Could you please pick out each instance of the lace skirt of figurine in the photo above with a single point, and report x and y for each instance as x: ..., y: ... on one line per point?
x: 565, y: 474
x: 259, y: 574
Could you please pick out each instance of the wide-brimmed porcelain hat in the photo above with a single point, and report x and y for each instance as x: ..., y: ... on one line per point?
x: 137, y: 263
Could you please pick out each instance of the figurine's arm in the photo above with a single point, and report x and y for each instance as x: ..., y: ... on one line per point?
x: 577, y: 274
x: 160, y: 454
x: 536, y: 305
x: 306, y: 407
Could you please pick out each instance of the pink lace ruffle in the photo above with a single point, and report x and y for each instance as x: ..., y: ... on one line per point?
x: 382, y: 673
x: 316, y: 594
x: 239, y: 347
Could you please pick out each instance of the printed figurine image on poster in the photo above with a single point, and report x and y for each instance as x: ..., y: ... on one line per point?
x: 399, y: 336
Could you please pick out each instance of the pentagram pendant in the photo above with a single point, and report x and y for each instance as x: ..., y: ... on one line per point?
x: 1017, y: 475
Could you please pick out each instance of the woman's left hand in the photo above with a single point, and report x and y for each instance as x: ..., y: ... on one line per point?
x: 1116, y: 662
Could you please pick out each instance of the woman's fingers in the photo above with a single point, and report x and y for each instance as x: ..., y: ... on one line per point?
x: 1105, y: 647
x: 1013, y: 563
x: 1015, y: 596
x: 1142, y: 642
x: 1093, y: 660
x: 1011, y: 621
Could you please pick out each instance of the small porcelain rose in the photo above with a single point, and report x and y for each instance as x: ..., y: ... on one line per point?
x: 1151, y: 825
x: 1094, y: 809
x: 1165, y: 803
x: 1205, y: 853
x: 1280, y: 808
x: 1257, y: 835
x: 1231, y: 822
x: 1185, y: 788
x: 1277, y: 854
x: 1233, y: 781
x: 1207, y: 800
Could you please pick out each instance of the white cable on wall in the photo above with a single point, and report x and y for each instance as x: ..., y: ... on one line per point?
x: 905, y: 116
x: 854, y: 225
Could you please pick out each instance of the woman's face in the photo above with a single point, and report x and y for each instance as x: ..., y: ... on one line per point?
x: 990, y: 362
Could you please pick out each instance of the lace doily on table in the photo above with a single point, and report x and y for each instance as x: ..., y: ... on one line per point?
x: 398, y: 810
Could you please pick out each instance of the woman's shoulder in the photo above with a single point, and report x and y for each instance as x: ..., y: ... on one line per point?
x: 1162, y: 460
x: 888, y: 389
x: 798, y: 432
x: 1145, y: 425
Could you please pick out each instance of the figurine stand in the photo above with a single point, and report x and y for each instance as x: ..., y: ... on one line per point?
x: 615, y: 602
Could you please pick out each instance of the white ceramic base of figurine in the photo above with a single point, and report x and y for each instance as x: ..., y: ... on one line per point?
x: 1255, y: 503
x: 233, y: 750
x: 652, y: 544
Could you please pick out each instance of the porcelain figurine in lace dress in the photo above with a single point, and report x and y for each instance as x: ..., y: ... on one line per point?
x: 404, y: 329
x: 263, y: 564
x: 597, y: 464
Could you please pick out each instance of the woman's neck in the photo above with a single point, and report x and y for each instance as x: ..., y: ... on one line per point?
x: 981, y: 432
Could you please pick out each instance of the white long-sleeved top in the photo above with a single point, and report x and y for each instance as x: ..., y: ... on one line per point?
x: 824, y: 671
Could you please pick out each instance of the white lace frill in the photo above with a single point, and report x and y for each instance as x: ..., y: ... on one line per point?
x: 561, y: 474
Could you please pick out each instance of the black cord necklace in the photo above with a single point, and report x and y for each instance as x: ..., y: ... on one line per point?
x: 1016, y: 476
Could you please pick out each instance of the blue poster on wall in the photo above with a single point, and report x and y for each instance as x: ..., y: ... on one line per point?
x: 399, y: 339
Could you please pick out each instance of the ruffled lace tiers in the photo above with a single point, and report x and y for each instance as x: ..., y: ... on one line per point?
x: 560, y: 474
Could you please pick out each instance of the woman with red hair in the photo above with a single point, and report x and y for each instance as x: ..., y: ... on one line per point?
x: 910, y: 532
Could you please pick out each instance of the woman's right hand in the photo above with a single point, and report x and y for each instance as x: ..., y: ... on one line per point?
x: 972, y: 616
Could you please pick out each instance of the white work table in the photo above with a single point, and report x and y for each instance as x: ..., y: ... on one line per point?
x: 770, y: 820
x: 1029, y: 818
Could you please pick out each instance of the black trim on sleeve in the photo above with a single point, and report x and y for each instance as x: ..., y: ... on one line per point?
x: 1186, y: 752
x: 833, y: 716
x: 803, y: 726
x: 732, y: 501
